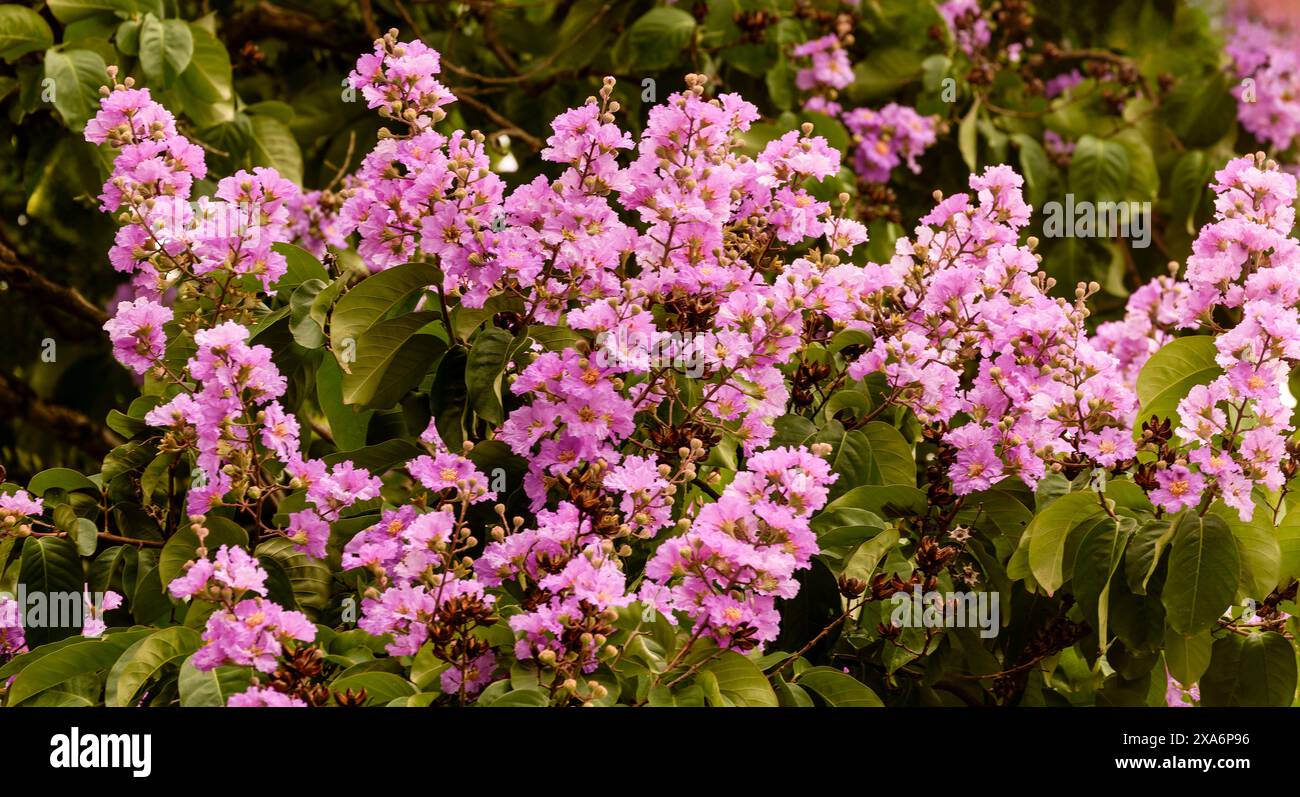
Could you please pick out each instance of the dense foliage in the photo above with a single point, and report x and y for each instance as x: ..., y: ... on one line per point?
x: 420, y: 381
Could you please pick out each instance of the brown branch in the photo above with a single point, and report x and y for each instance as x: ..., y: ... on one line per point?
x: 368, y: 20
x: 20, y: 402
x: 537, y: 68
x: 269, y: 20
x: 22, y: 277
x: 508, y: 127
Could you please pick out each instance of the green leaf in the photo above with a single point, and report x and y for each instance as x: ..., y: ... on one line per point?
x: 77, y: 76
x: 1257, y: 550
x: 166, y: 47
x: 69, y: 661
x: 369, y: 302
x: 1187, y: 185
x: 1143, y: 554
x: 108, y: 566
x: 273, y: 145
x: 779, y: 81
x: 208, y: 76
x: 381, y: 687
x: 1035, y: 167
x: 838, y: 689
x: 211, y: 687
x: 127, y: 37
x: 51, y: 566
x: 883, y: 72
x: 391, y: 360
x: 659, y: 35
x: 1143, y: 177
x: 125, y: 425
x: 377, y: 458
x: 183, y: 545
x: 1099, y: 170
x: 309, y: 577
x: 65, y: 479
x: 1288, y: 538
x: 145, y: 660
x: 307, y: 332
x: 1203, y: 572
x: 86, y: 536
x: 22, y: 31
x: 886, y: 501
x: 1100, y: 552
x: 1050, y: 531
x: 968, y: 137
x: 522, y: 698
x: 483, y: 371
x: 1200, y: 111
x: 1255, y: 670
x: 1176, y: 368
x: 740, y: 680
x: 347, y: 425
x: 300, y: 266
x: 126, y: 458
x: 1187, y: 657
x: 67, y: 11
x: 891, y: 456
x: 862, y: 563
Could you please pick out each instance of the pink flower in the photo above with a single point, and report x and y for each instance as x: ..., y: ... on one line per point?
x: 1179, y: 488
x: 264, y: 697
x: 137, y: 333
x: 20, y: 503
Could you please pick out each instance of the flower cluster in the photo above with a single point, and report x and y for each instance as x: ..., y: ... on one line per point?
x: 892, y: 135
x: 166, y: 239
x: 398, y: 80
x: 969, y: 29
x: 17, y: 505
x: 1234, y: 429
x: 883, y: 138
x: 1264, y: 58
x: 742, y: 551
x: 12, y: 639
x: 92, y: 624
x: 1150, y: 318
x: 964, y: 324
x: 828, y: 71
x: 246, y: 628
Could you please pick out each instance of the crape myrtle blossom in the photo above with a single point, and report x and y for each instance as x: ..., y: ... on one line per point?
x: 1150, y: 318
x: 1233, y: 431
x: 12, y: 639
x: 888, y: 137
x: 967, y: 25
x: 17, y: 505
x: 92, y: 624
x: 680, y: 242
x: 1179, y: 696
x: 166, y: 238
x: 883, y: 138
x: 741, y: 552
x: 264, y: 697
x: 828, y: 69
x: 245, y: 629
x: 963, y: 323
x: 1266, y: 65
x: 136, y: 331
